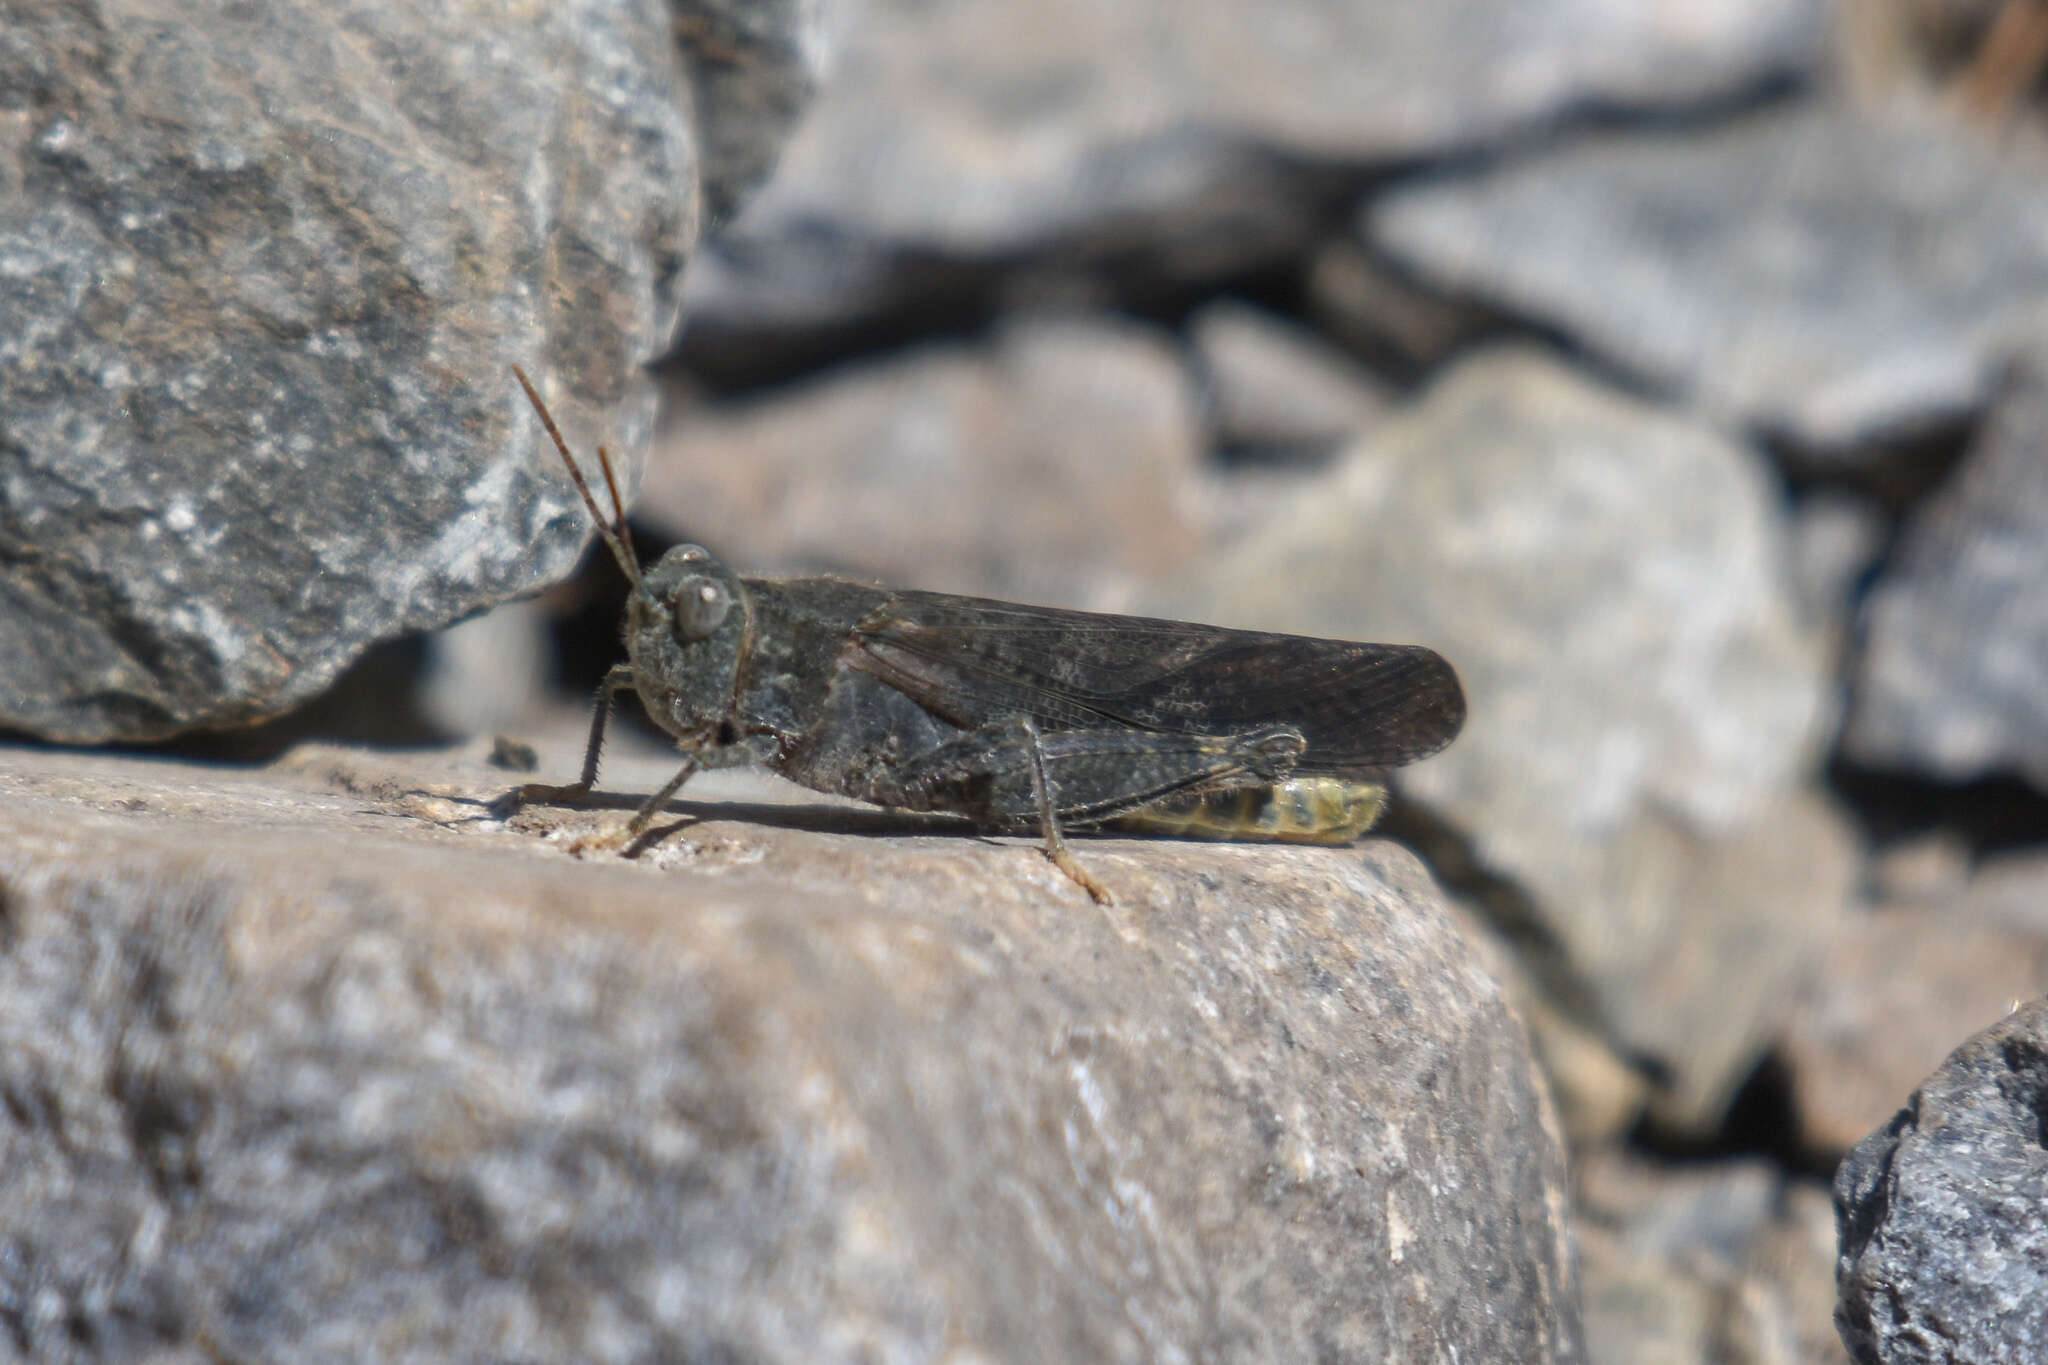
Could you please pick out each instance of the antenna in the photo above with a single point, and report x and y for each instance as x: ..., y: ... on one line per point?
x: 614, y: 531
x: 611, y: 482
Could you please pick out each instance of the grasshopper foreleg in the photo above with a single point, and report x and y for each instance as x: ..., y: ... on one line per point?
x: 650, y: 808
x: 620, y: 679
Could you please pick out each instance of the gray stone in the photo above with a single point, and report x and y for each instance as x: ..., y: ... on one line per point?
x: 1274, y: 387
x: 264, y: 268
x: 304, y: 1059
x: 1055, y: 463
x: 1956, y: 630
x: 1166, y: 140
x: 1943, y: 1212
x: 1644, y: 703
x: 1893, y: 989
x: 1821, y: 275
x: 753, y: 66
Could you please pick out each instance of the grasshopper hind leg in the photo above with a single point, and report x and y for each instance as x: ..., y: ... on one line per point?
x: 1010, y: 776
x: 1049, y: 822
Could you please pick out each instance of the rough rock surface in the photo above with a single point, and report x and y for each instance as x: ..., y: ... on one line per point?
x: 314, y: 1060
x: 1950, y: 682
x: 1943, y: 1212
x: 1165, y: 139
x: 1599, y: 1093
x: 1054, y: 463
x: 1823, y: 275
x: 1892, y: 990
x: 264, y: 268
x: 1606, y: 579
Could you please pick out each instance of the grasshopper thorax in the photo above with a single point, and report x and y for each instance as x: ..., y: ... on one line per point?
x: 686, y: 629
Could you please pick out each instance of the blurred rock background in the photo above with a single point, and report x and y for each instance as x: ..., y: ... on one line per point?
x: 1675, y: 368
x: 1672, y: 368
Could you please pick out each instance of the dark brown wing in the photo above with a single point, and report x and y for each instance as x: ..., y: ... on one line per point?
x: 972, y: 661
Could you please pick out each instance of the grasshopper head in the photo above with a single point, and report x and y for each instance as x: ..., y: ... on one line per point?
x: 686, y: 622
x: 686, y: 627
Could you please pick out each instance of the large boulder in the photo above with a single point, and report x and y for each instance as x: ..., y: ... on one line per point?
x: 320, y: 1061
x: 264, y: 269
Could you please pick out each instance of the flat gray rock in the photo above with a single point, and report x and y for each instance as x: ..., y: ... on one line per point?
x: 1055, y: 462
x: 1949, y: 685
x: 1644, y: 702
x: 1168, y: 139
x: 1943, y: 1212
x: 306, y: 1058
x: 264, y: 270
x: 1819, y: 274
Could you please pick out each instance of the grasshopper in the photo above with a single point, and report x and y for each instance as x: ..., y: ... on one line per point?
x: 1023, y: 719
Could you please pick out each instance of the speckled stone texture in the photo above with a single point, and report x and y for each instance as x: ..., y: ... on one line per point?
x: 319, y: 1062
x: 264, y: 268
x: 1943, y: 1212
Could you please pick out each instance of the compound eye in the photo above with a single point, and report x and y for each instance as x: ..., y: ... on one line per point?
x: 701, y: 606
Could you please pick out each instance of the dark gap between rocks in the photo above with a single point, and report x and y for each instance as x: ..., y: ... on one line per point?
x: 954, y: 300
x: 1991, y: 815
x: 1897, y: 471
x: 1762, y: 1120
x: 1119, y: 266
x: 1705, y: 114
x: 1487, y: 322
x: 1592, y: 117
x: 968, y: 300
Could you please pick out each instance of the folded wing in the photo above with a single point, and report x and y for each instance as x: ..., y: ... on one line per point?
x: 1361, y: 707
